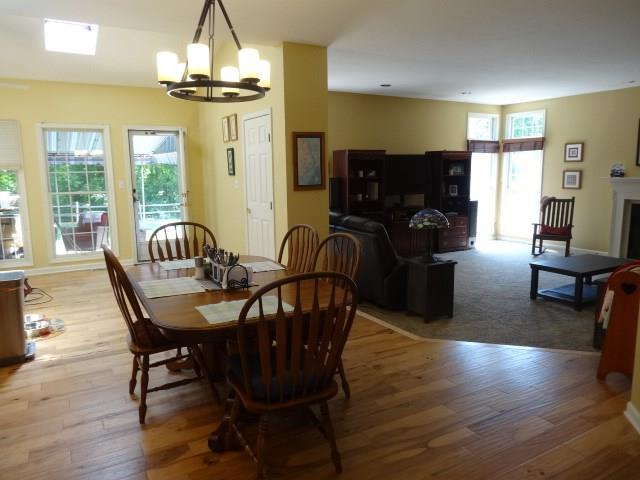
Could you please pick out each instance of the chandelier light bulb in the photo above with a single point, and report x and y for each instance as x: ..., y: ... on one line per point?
x: 248, y: 59
x: 198, y: 60
x: 264, y: 74
x: 230, y: 74
x: 166, y: 64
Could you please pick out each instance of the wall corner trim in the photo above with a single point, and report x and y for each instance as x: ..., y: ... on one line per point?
x: 633, y: 415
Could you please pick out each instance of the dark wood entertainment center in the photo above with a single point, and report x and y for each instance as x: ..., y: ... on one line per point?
x: 391, y: 188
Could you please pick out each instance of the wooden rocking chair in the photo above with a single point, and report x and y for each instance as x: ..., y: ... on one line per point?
x: 556, y: 223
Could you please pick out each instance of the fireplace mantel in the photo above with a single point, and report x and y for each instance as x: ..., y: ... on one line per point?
x: 625, y: 190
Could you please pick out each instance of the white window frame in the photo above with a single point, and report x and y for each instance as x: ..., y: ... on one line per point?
x: 27, y: 261
x: 508, y: 134
x: 495, y: 127
x: 110, y: 181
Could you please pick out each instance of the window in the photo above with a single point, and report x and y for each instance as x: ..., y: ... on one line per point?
x: 78, y: 189
x: 482, y: 126
x: 525, y: 124
x: 13, y: 217
x: 522, y: 175
x: 70, y: 37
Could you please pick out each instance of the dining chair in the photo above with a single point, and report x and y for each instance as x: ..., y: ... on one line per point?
x: 144, y: 338
x: 301, y: 241
x: 179, y: 240
x: 287, y: 359
x: 339, y: 252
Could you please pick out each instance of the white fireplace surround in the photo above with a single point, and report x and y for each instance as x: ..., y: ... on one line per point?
x: 626, y: 191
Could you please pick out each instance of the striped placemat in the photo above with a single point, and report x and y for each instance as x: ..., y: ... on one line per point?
x: 168, y: 287
x: 225, y: 312
x: 178, y: 264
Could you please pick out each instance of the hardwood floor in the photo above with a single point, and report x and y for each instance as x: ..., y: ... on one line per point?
x: 419, y: 409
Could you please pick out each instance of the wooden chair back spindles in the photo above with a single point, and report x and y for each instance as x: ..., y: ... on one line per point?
x: 339, y: 252
x: 301, y: 242
x: 179, y: 240
x: 127, y: 300
x: 298, y: 352
x: 556, y: 223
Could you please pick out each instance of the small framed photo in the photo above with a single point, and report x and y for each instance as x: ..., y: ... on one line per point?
x: 231, y: 162
x: 572, y: 179
x: 233, y: 127
x: 453, y: 190
x: 225, y: 129
x: 638, y: 148
x: 308, y: 161
x: 573, y: 152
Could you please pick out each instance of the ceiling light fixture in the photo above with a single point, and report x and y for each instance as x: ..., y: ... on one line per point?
x: 465, y: 93
x: 194, y: 80
x: 70, y: 37
x: 385, y: 85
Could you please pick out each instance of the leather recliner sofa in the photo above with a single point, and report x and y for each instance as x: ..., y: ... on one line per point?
x: 382, y: 275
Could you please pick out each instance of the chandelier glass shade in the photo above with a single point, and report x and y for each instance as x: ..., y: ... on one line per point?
x: 194, y: 79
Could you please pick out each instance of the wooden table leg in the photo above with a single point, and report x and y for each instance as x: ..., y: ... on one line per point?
x: 200, y: 358
x: 577, y: 296
x: 217, y: 438
x: 533, y: 290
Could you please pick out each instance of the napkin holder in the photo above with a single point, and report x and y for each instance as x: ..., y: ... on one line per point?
x: 231, y: 276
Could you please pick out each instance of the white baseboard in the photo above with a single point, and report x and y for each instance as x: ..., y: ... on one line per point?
x: 552, y: 245
x: 32, y: 272
x: 633, y: 415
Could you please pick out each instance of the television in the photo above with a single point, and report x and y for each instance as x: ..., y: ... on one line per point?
x: 405, y: 174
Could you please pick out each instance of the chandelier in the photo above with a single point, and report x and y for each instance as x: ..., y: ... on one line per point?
x: 194, y: 80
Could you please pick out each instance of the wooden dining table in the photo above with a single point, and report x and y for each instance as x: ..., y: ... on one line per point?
x: 177, y: 318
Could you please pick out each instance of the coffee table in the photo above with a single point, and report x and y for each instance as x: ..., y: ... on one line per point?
x: 581, y: 267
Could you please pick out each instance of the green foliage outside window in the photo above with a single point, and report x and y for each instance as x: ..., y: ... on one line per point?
x: 9, y: 182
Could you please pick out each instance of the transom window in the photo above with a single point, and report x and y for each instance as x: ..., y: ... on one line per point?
x: 78, y: 189
x: 482, y: 126
x: 526, y: 124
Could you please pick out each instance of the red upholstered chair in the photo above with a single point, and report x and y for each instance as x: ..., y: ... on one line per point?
x: 556, y: 223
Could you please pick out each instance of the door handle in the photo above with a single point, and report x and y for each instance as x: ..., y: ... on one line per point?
x: 133, y: 195
x: 248, y: 210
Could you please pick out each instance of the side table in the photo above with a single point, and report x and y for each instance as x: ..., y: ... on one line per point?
x: 430, y: 288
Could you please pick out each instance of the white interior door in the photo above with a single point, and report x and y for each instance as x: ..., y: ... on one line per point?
x: 159, y: 192
x: 259, y: 186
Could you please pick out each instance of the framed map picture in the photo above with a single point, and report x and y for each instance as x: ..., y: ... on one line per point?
x: 308, y: 161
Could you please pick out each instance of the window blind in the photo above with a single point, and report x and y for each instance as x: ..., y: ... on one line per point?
x: 10, y: 147
x: 523, y: 144
x: 483, y: 146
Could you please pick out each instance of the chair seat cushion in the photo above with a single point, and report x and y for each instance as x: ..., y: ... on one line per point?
x: 259, y: 389
x: 560, y: 231
x: 148, y: 335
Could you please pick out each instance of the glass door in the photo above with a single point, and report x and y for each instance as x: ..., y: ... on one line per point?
x: 159, y: 187
x: 484, y: 181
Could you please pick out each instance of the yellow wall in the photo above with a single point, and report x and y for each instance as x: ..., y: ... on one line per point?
x: 607, y: 123
x: 306, y: 110
x: 116, y: 107
x: 398, y: 125
x: 224, y: 196
x: 298, y: 102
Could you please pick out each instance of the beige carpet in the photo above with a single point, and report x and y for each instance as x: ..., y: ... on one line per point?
x: 492, y: 304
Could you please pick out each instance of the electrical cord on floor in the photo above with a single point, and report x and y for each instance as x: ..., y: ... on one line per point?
x: 37, y: 297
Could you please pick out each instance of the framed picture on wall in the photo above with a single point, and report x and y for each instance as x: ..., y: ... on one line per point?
x: 573, y: 152
x: 308, y: 161
x: 233, y: 127
x: 638, y: 147
x: 572, y: 179
x: 453, y: 190
x: 231, y: 161
x: 225, y: 129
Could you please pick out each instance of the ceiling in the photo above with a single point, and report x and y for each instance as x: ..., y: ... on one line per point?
x: 501, y: 51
